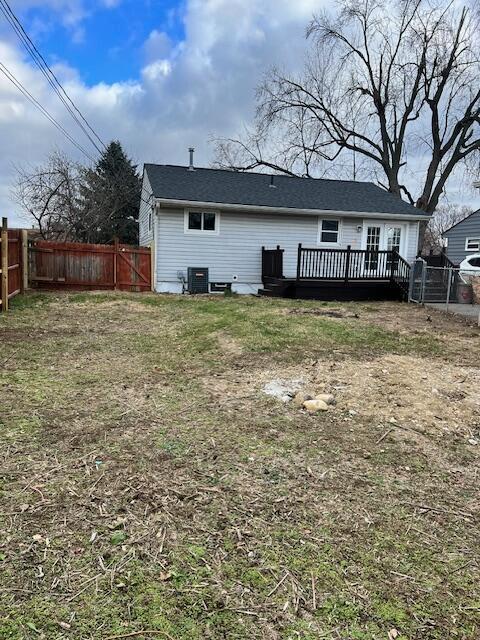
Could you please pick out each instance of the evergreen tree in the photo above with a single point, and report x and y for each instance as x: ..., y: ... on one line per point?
x: 110, y: 199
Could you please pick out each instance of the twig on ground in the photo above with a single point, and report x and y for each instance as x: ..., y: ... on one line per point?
x: 382, y: 438
x: 278, y: 585
x: 314, y: 594
x: 85, y: 588
x: 148, y: 632
x: 426, y: 507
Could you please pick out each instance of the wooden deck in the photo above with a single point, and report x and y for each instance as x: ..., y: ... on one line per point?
x: 337, y: 274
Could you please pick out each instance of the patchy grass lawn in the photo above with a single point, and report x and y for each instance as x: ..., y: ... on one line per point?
x: 148, y: 488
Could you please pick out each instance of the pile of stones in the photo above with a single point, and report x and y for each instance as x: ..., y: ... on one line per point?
x: 313, y: 403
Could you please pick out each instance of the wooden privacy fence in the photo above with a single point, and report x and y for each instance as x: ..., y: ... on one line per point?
x: 13, y: 263
x: 77, y: 266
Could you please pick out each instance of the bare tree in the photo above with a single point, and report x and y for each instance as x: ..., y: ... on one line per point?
x: 49, y: 194
x: 391, y: 86
x: 444, y: 217
x: 70, y: 201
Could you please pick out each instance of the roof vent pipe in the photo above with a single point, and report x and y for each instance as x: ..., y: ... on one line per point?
x: 272, y: 184
x: 191, y: 151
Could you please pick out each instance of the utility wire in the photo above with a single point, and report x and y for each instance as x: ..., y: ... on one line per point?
x: 50, y: 76
x: 9, y: 75
x: 53, y: 81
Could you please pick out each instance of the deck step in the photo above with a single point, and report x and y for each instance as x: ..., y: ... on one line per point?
x: 271, y: 293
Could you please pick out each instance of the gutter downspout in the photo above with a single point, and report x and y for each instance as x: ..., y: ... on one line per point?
x: 153, y: 247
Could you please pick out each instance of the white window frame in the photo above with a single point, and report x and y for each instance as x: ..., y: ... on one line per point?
x: 201, y: 232
x: 333, y: 245
x: 476, y: 240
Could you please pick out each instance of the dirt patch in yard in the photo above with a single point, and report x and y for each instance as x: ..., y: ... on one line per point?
x: 407, y: 395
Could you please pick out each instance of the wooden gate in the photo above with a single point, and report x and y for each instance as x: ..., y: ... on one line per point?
x: 78, y: 266
x: 13, y: 259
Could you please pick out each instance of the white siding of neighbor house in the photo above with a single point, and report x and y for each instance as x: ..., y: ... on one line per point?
x: 236, y: 250
x: 144, y: 233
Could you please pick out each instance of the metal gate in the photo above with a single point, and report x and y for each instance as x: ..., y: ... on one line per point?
x: 434, y: 284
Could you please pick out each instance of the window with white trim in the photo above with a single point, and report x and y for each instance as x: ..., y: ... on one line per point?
x: 472, y: 244
x: 149, y: 220
x: 329, y: 231
x: 201, y: 222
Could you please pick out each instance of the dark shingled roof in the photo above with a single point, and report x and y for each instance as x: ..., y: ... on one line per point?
x: 246, y: 188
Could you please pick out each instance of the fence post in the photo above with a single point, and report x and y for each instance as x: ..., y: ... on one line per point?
x: 424, y: 281
x: 115, y: 262
x: 449, y: 287
x: 347, y: 263
x: 299, y: 257
x: 411, y: 281
x: 4, y: 265
x: 24, y: 260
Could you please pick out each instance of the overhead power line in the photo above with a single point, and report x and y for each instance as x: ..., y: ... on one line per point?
x: 55, y: 84
x: 16, y: 83
x: 50, y: 76
x: 9, y: 75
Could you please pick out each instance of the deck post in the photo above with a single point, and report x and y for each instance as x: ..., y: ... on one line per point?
x: 4, y: 265
x: 299, y: 257
x: 347, y: 262
x: 392, y: 263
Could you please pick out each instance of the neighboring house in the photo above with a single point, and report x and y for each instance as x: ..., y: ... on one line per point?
x: 463, y: 239
x: 220, y: 220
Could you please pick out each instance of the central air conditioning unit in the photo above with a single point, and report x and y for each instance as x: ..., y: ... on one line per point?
x: 197, y: 280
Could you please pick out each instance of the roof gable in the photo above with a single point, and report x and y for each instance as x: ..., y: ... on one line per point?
x: 221, y: 186
x: 458, y: 225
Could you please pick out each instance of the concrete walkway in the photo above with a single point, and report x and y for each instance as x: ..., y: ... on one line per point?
x: 470, y: 311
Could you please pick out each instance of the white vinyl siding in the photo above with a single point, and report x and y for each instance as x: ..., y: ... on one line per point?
x: 236, y: 250
x: 145, y: 215
x: 413, y: 230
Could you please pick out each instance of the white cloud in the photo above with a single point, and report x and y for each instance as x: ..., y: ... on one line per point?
x: 157, y: 45
x: 157, y: 69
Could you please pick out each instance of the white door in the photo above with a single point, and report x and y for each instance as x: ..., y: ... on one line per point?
x: 382, y: 236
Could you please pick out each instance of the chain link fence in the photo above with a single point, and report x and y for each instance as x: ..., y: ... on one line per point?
x: 442, y: 284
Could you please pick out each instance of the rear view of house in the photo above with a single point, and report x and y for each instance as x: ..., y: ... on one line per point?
x: 208, y: 228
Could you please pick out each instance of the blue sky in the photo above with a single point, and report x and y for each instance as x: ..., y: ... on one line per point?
x: 107, y: 44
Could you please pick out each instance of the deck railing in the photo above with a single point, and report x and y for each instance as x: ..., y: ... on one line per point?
x: 349, y: 264
x: 438, y: 260
x: 401, y: 273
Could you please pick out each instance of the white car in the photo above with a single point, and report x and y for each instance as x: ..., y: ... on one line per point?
x: 470, y: 267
